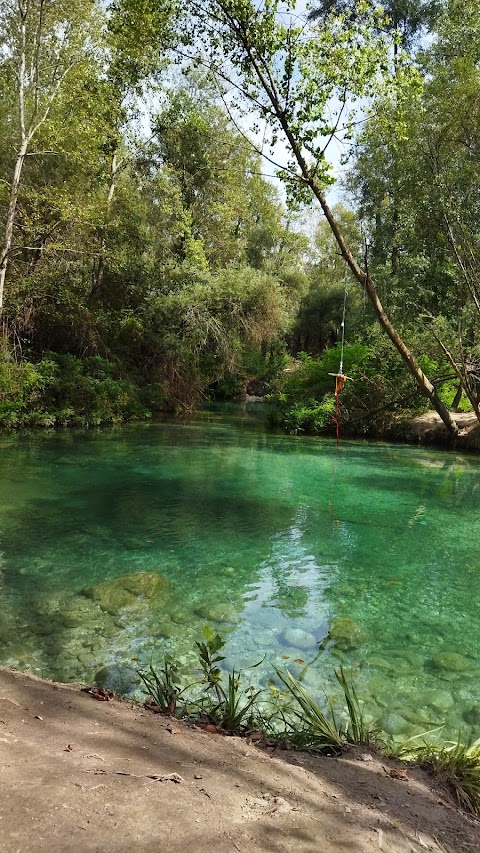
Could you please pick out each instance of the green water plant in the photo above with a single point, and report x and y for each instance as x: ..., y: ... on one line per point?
x: 310, y: 727
x: 237, y: 709
x: 234, y: 707
x: 163, y: 685
x: 210, y: 658
x: 458, y: 767
x: 290, y: 715
x: 357, y: 730
x: 307, y: 725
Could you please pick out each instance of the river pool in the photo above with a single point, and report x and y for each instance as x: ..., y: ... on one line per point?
x: 298, y: 554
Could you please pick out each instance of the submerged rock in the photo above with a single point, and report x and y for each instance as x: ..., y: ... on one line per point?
x: 439, y: 700
x: 394, y: 724
x: 217, y: 612
x: 149, y: 584
x: 113, y: 595
x: 451, y: 661
x: 421, y: 716
x: 346, y: 634
x: 472, y: 716
x: 299, y: 639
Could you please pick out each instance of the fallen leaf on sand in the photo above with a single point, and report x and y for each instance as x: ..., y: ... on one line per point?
x: 396, y: 774
x: 255, y: 737
x: 98, y: 693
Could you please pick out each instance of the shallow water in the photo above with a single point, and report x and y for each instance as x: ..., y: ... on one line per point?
x: 272, y: 540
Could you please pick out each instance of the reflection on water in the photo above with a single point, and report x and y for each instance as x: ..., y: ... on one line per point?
x: 122, y: 544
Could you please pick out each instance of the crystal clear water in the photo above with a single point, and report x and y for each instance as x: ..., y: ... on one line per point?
x: 274, y: 541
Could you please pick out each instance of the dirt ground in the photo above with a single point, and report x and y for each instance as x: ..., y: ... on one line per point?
x: 429, y: 429
x: 77, y: 774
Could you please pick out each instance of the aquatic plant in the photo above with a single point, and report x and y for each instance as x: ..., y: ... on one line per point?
x: 164, y: 685
x: 458, y: 766
x: 209, y: 660
x: 309, y: 727
x: 237, y: 708
x: 357, y: 730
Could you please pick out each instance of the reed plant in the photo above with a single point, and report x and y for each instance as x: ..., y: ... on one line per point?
x: 458, y: 767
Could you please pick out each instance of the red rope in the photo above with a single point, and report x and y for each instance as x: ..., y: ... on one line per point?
x: 339, y: 383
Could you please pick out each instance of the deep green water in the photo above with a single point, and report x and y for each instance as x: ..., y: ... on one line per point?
x: 270, y: 539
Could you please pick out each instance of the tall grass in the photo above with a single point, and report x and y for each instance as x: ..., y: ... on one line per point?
x: 458, y: 766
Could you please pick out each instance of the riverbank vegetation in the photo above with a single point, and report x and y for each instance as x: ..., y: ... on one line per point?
x: 148, y: 261
x: 287, y: 715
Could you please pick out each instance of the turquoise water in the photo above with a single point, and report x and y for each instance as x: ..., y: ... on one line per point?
x: 368, y: 556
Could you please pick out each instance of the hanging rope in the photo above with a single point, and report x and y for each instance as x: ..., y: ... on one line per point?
x: 340, y: 377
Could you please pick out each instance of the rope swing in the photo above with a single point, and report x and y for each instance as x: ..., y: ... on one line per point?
x: 340, y: 377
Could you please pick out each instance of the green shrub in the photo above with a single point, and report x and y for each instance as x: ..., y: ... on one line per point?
x: 61, y: 390
x: 379, y: 388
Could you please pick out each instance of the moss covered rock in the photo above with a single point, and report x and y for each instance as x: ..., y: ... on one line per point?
x: 217, y: 612
x: 346, y: 634
x: 113, y: 595
x: 148, y: 584
x: 451, y: 661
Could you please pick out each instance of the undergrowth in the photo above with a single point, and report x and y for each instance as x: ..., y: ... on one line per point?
x: 62, y: 390
x: 286, y: 714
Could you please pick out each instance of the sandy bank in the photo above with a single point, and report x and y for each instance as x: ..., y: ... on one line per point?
x: 81, y: 775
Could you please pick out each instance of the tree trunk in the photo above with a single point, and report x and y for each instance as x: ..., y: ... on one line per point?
x: 457, y: 398
x: 426, y: 387
x: 10, y: 220
x: 363, y: 278
x: 98, y: 279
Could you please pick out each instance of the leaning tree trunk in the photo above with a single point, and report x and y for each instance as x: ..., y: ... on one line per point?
x: 426, y: 387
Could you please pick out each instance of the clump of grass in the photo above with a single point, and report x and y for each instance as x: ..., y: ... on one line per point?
x: 236, y: 711
x: 234, y: 708
x: 310, y: 727
x: 458, y: 766
x: 164, y: 685
x: 356, y: 730
x: 320, y: 731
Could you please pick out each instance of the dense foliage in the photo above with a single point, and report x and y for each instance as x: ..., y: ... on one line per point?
x: 145, y: 260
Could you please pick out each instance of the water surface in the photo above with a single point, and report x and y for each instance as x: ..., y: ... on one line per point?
x: 272, y: 540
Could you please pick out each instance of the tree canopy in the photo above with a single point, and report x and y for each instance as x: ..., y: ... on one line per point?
x: 144, y: 247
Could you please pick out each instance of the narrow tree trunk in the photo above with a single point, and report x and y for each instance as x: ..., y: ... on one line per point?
x: 426, y: 387
x: 457, y: 398
x: 10, y: 220
x: 462, y: 375
x: 98, y: 278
